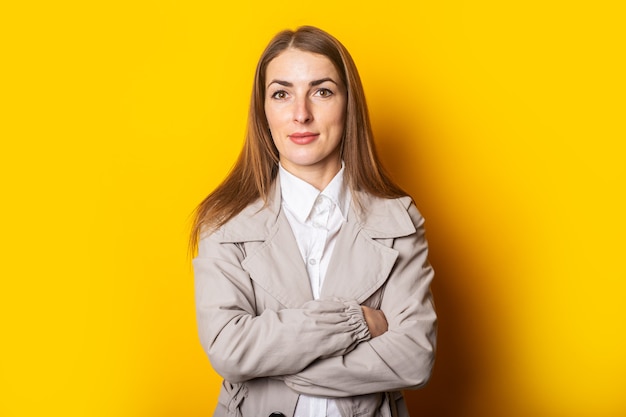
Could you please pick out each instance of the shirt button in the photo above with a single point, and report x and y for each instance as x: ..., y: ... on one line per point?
x: 312, y: 261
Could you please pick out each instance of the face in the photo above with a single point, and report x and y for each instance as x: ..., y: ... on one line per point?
x: 305, y: 106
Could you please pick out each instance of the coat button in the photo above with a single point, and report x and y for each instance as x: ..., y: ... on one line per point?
x: 277, y: 414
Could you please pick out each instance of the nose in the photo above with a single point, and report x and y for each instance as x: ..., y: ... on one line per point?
x: 302, y: 111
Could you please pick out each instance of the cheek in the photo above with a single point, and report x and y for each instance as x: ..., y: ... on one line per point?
x: 340, y: 119
x: 268, y: 115
x: 273, y: 117
x: 339, y: 112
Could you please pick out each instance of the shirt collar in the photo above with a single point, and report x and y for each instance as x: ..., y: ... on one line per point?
x: 299, y: 196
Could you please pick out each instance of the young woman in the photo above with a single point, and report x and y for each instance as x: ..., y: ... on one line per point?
x: 312, y: 279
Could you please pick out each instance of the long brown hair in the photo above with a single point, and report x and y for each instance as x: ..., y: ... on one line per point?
x: 255, y: 170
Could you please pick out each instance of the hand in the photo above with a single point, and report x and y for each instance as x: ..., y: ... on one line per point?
x: 376, y: 321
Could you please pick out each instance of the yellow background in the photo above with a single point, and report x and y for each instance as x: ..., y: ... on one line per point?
x: 505, y: 120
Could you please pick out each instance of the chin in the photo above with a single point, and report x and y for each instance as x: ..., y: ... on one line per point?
x: 305, y: 160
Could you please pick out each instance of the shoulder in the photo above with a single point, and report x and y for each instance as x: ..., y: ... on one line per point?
x: 253, y: 223
x: 387, y: 217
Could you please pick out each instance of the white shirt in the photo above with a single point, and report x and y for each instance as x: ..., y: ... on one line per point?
x: 315, y: 218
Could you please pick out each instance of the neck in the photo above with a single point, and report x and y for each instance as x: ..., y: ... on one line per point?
x: 316, y: 175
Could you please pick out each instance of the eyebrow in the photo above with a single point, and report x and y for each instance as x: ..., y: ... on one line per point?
x: 311, y: 84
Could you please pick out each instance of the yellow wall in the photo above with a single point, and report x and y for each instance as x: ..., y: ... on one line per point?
x: 505, y: 120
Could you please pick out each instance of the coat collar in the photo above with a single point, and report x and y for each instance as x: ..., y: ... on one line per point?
x: 378, y: 217
x: 360, y: 264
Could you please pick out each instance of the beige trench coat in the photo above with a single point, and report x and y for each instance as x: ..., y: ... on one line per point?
x: 270, y: 340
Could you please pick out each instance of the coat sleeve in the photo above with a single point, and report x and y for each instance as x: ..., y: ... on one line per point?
x: 401, y: 358
x: 242, y: 345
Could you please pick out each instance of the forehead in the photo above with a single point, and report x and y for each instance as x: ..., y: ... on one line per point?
x: 294, y: 65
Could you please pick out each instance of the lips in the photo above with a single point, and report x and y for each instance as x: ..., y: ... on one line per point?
x: 303, y: 138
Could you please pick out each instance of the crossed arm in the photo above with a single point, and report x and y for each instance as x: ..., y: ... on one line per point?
x: 331, y: 348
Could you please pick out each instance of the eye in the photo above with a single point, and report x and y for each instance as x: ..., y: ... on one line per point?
x: 279, y: 95
x: 324, y: 92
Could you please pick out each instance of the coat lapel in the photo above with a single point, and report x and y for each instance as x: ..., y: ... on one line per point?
x: 277, y: 266
x: 360, y: 263
x: 273, y: 259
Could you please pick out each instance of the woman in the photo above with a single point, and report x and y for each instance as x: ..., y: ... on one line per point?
x: 312, y: 279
